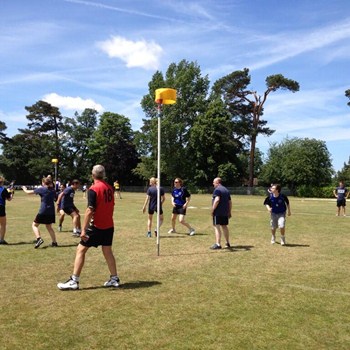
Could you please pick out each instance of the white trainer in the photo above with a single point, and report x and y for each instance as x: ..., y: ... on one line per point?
x: 273, y: 239
x: 68, y: 285
x: 283, y: 240
x: 192, y: 232
x: 113, y: 282
x: 171, y: 231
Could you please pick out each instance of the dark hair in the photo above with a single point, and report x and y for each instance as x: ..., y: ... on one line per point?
x: 278, y: 187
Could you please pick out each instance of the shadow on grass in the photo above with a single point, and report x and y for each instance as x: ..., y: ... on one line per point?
x: 295, y: 245
x: 241, y: 247
x: 60, y: 246
x: 182, y: 235
x: 128, y: 285
x: 209, y: 251
x: 43, y: 247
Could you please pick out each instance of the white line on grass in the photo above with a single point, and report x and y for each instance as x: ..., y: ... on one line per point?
x: 318, y: 289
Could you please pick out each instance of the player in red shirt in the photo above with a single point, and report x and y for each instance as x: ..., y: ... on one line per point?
x: 97, y: 229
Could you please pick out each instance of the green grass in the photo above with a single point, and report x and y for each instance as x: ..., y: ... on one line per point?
x: 257, y: 296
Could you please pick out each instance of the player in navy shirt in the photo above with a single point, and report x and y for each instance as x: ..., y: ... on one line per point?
x: 4, y: 196
x: 341, y: 193
x: 278, y: 205
x: 180, y: 199
x: 151, y: 199
x: 221, y: 212
x: 46, y: 214
x: 65, y: 202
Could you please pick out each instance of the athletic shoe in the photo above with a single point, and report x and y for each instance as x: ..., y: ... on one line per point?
x: 2, y: 241
x: 76, y: 234
x: 38, y: 243
x: 112, y: 282
x: 68, y: 285
x: 171, y: 231
x: 54, y: 244
x: 215, y: 246
x: 59, y: 228
x: 192, y: 232
x: 283, y: 240
x: 273, y: 239
x: 149, y: 234
x: 155, y: 233
x: 227, y: 245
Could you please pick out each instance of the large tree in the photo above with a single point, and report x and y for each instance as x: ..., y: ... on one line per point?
x: 344, y: 173
x: 44, y: 120
x: 246, y: 105
x: 112, y: 145
x: 3, y: 127
x: 176, y: 123
x: 295, y: 162
x: 78, y: 132
x: 214, y: 148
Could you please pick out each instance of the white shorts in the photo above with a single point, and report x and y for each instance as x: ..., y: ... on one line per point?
x: 278, y: 220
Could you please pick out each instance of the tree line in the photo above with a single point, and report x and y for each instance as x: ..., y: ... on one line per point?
x: 209, y: 132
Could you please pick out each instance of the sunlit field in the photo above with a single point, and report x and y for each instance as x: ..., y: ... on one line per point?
x: 254, y: 296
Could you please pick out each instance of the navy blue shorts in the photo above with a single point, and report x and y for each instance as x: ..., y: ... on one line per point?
x: 98, y: 237
x: 220, y: 220
x: 69, y: 210
x: 151, y: 211
x: 2, y: 210
x: 179, y: 210
x: 341, y: 202
x: 45, y: 219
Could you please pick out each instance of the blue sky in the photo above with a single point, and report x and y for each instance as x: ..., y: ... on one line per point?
x: 101, y: 54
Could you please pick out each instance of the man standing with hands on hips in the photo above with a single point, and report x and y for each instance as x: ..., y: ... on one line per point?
x: 97, y: 229
x: 221, y: 212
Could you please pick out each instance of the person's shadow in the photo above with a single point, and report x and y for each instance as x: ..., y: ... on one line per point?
x: 295, y: 245
x: 127, y: 285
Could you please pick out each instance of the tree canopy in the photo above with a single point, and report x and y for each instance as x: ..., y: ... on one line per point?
x: 296, y: 162
x: 247, y: 106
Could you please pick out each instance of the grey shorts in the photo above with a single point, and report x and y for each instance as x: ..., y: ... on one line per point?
x: 278, y: 220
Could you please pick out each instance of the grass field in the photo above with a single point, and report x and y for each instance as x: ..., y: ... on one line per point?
x: 255, y: 296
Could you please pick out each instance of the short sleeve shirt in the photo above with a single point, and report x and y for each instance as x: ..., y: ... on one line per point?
x: 47, y: 206
x: 180, y: 195
x: 68, y: 198
x: 153, y: 193
x: 223, y: 207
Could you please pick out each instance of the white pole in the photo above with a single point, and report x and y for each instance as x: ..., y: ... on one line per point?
x: 158, y: 182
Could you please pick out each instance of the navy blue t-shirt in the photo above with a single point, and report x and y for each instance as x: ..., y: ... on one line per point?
x: 68, y: 198
x: 278, y: 204
x: 223, y: 207
x: 180, y: 195
x: 152, y: 193
x: 48, y: 196
x: 341, y: 193
x: 4, y: 195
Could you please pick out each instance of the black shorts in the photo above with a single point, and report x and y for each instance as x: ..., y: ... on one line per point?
x: 69, y: 210
x: 98, y: 237
x: 179, y: 210
x: 341, y: 202
x: 220, y: 220
x: 45, y: 219
x: 151, y: 211
x: 2, y: 210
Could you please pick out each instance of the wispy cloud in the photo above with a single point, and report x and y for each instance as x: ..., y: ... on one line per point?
x: 289, y: 45
x: 134, y: 53
x: 118, y: 9
x: 71, y: 103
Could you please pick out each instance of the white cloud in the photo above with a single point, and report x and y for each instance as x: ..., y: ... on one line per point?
x: 71, y: 103
x: 134, y: 53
